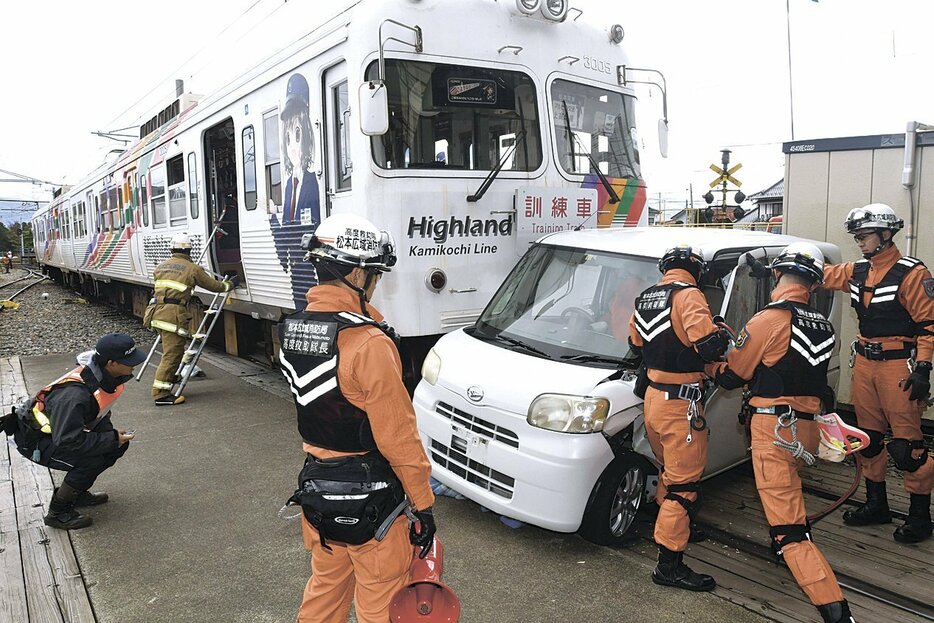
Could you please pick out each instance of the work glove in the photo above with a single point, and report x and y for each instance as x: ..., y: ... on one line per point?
x: 426, y: 536
x: 233, y: 279
x: 919, y: 382
x: 758, y: 270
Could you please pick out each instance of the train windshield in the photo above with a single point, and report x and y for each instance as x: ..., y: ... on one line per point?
x: 456, y: 117
x: 596, y: 122
x: 568, y: 305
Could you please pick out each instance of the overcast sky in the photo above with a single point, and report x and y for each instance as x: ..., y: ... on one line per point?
x: 859, y: 67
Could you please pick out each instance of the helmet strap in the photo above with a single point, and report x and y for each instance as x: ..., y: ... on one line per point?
x: 361, y: 292
x: 883, y: 244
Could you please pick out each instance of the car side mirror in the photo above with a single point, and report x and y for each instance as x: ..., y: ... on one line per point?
x: 374, y: 108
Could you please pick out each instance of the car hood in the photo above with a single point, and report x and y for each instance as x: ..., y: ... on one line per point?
x: 487, y: 375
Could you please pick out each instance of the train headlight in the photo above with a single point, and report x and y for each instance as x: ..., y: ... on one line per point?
x: 555, y: 10
x: 528, y: 6
x: 617, y: 33
x: 569, y: 414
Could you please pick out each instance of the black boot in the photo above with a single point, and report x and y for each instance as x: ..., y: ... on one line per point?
x: 697, y: 535
x: 87, y: 498
x: 918, y: 526
x: 836, y: 612
x: 874, y: 511
x: 671, y: 571
x: 62, y: 513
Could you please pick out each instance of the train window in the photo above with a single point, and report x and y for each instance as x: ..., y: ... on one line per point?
x: 341, y: 108
x: 97, y: 214
x: 597, y: 122
x: 106, y: 223
x: 143, y: 200
x: 120, y: 216
x: 249, y: 168
x: 272, y: 158
x: 157, y: 196
x: 481, y: 115
x: 114, y: 208
x: 193, y: 184
x: 175, y: 170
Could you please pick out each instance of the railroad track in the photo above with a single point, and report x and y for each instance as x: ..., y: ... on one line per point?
x: 882, y: 579
x: 32, y: 274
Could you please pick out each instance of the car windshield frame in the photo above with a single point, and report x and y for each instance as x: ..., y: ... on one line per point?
x: 458, y: 118
x: 568, y: 304
x: 605, y: 127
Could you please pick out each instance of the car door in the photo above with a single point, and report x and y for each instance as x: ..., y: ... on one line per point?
x: 744, y: 296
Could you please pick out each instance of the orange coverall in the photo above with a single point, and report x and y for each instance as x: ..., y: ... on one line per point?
x: 370, y: 377
x: 765, y: 340
x: 666, y: 422
x: 876, y: 392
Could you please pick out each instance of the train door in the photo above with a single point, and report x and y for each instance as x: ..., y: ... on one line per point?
x: 220, y: 174
x: 336, y: 150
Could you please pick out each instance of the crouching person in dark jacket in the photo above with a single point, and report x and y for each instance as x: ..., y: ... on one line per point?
x: 66, y: 426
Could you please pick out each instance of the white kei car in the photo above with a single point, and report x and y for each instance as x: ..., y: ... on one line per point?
x: 531, y: 412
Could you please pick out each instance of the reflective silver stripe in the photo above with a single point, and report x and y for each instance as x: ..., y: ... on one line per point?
x: 354, y: 318
x: 882, y: 299
x: 319, y: 390
x: 909, y: 261
x: 157, y: 384
x: 312, y: 374
x: 801, y: 343
x: 174, y: 285
x: 168, y: 326
x: 644, y: 328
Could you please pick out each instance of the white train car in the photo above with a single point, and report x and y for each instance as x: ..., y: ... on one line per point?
x: 467, y: 129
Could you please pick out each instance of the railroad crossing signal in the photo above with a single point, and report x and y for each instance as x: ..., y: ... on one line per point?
x: 726, y: 176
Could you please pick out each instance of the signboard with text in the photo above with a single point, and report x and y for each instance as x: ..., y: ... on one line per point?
x: 541, y: 211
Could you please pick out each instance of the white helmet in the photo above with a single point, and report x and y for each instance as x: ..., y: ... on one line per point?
x: 801, y: 258
x: 351, y: 240
x: 873, y: 216
x: 181, y: 241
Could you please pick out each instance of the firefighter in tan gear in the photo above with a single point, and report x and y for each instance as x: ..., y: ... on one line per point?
x: 344, y: 370
x: 676, y: 334
x: 175, y: 280
x: 893, y: 296
x: 782, y: 354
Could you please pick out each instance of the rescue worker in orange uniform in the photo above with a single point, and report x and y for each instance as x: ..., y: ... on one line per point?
x: 893, y: 296
x: 783, y: 354
x: 175, y: 281
x: 344, y: 369
x: 673, y: 328
x: 66, y: 426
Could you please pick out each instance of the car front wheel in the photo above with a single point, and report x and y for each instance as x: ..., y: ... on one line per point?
x: 615, y: 501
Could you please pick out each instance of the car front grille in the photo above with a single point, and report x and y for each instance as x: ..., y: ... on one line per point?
x: 456, y: 462
x: 478, y: 425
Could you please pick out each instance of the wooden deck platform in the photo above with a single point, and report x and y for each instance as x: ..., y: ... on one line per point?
x: 40, y: 580
x: 883, y: 580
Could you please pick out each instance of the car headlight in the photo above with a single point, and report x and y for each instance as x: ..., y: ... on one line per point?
x: 569, y: 414
x: 431, y: 367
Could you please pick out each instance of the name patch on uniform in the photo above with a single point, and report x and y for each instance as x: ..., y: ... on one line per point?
x: 741, y: 338
x: 309, y: 337
x: 928, y: 287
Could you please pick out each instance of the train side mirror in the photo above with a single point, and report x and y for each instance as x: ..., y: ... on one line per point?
x: 374, y: 108
x: 663, y: 137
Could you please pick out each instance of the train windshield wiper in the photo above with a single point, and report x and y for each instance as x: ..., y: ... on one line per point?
x: 572, y: 138
x: 520, y: 137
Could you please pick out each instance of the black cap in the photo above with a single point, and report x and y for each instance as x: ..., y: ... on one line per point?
x: 121, y: 348
x: 296, y: 95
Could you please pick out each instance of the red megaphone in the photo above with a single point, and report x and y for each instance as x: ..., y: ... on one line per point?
x: 425, y: 599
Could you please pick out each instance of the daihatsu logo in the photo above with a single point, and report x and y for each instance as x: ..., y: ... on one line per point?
x: 475, y: 393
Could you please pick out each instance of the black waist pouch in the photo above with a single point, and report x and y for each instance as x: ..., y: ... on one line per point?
x: 347, y: 499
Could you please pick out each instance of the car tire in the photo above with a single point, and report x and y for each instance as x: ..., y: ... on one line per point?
x: 615, y: 501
